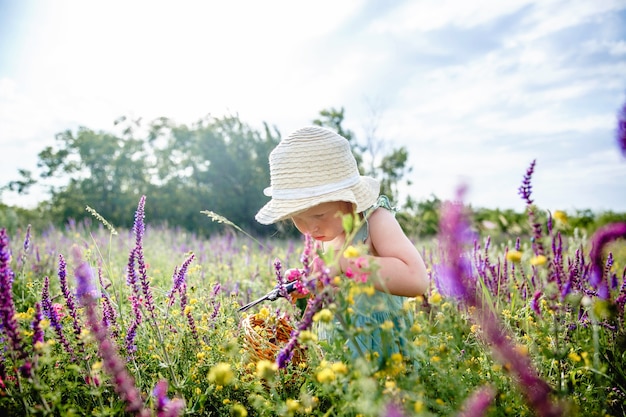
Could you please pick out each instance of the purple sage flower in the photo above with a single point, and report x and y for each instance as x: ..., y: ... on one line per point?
x: 477, y: 403
x: 68, y: 296
x: 525, y: 191
x: 536, y: 391
x: 393, y: 410
x: 314, y: 304
x: 109, y: 316
x: 55, y: 321
x: 454, y: 271
x: 178, y: 279
x: 123, y: 382
x: 38, y: 335
x: 8, y: 323
x: 164, y: 406
x: 599, y: 240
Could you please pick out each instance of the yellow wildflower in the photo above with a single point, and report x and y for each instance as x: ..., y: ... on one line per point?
x: 292, y: 405
x: 263, y: 314
x: 538, y: 260
x: 435, y: 298
x: 351, y: 252
x: 307, y: 336
x: 325, y: 375
x: 560, y: 216
x: 514, y: 256
x: 387, y: 325
x: 574, y: 357
x: 221, y: 374
x: 339, y: 367
x: 238, y: 410
x: 266, y: 369
x: 418, y: 406
x: 324, y: 315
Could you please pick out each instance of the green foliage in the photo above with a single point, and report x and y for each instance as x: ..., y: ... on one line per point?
x: 577, y: 343
x: 217, y: 164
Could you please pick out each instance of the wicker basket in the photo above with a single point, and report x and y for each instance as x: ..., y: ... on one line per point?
x: 264, y: 337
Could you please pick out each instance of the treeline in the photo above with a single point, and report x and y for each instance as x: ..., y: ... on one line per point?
x: 216, y: 164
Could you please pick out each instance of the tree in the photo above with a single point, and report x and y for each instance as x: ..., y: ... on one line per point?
x: 215, y: 164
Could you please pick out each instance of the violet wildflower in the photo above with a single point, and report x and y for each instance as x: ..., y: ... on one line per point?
x: 476, y: 404
x: 454, y: 270
x: 536, y: 391
x: 123, y: 382
x: 534, y: 302
x: 109, y: 315
x: 314, y: 304
x: 525, y: 191
x: 69, y: 297
x: 145, y: 282
x: 164, y: 406
x: 38, y: 335
x: 621, y: 129
x: 216, y: 289
x: 135, y: 304
x: 280, y: 279
x: 180, y: 286
x: 178, y: 279
x: 186, y: 310
x: 216, y: 310
x: 393, y: 410
x: 140, y: 284
x: 557, y: 272
x: 599, y: 240
x: 8, y: 323
x: 129, y: 340
x: 55, y: 322
x: 139, y: 227
x: 26, y: 246
x: 286, y: 353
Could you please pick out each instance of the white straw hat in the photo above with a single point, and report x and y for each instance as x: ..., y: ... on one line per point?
x: 314, y: 165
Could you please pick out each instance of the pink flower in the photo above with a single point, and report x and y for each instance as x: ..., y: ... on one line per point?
x: 58, y: 308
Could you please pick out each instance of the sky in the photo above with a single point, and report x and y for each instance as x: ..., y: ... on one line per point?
x: 475, y: 90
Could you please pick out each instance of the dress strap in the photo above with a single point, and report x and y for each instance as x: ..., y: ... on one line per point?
x: 382, y: 202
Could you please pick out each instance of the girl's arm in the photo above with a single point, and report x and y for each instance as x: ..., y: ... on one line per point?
x: 401, y: 269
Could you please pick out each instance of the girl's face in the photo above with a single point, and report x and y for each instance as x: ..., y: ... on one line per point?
x: 323, y: 222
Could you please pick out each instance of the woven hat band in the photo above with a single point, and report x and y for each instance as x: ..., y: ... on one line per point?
x: 306, y: 192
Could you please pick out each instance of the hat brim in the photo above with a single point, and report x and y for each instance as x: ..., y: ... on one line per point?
x: 363, y: 195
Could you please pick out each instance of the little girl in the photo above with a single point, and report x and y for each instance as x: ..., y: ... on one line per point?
x: 314, y: 176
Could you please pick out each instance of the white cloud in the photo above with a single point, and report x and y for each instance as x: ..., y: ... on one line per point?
x: 436, y: 14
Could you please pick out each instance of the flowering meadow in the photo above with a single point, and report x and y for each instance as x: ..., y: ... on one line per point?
x: 104, y: 322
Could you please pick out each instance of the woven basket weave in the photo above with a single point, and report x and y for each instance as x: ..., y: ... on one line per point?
x: 264, y: 337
